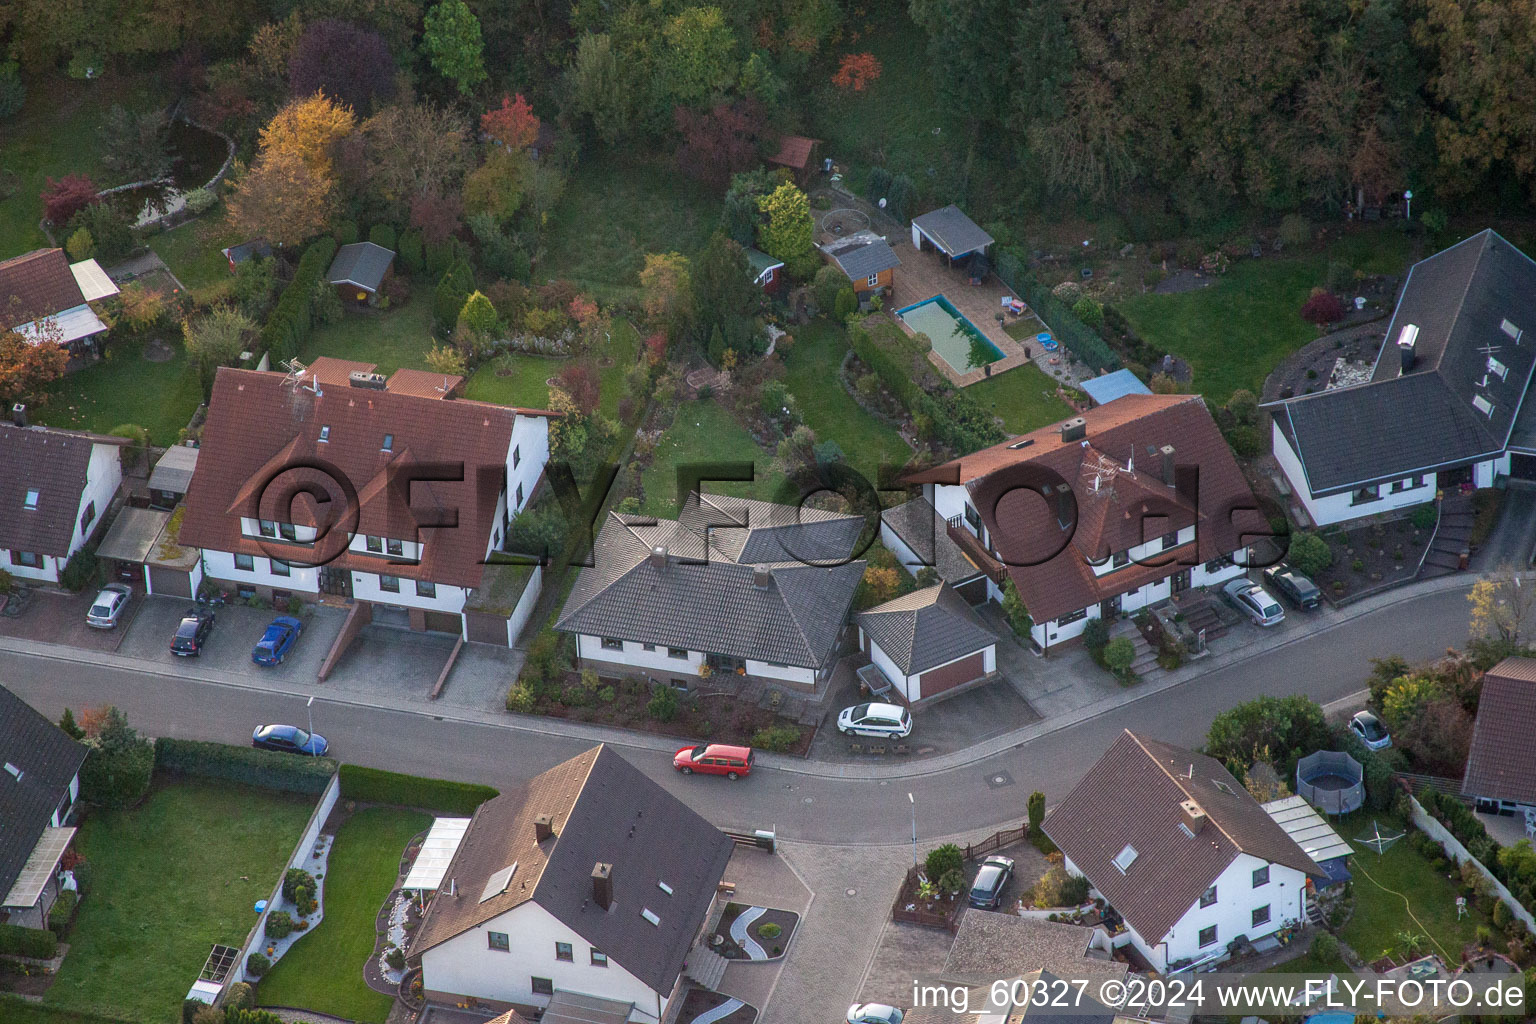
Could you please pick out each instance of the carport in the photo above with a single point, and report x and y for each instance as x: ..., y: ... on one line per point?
x: 949, y: 231
x: 172, y: 476
x: 128, y: 543
x: 436, y: 854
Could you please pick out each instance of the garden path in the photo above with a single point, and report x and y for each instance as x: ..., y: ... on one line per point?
x: 741, y: 937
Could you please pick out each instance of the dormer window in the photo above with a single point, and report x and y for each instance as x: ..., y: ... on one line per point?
x: 32, y: 497
x: 325, y: 433
x: 1482, y: 405
x: 1497, y: 368
x: 1121, y: 558
x: 389, y: 442
x: 1125, y: 858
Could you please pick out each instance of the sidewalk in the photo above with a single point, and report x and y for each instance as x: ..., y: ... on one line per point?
x: 1321, y: 623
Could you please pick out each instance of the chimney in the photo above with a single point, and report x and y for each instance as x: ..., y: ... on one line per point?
x: 1167, y: 453
x: 1064, y: 504
x: 602, y: 884
x: 543, y: 828
x: 762, y: 579
x: 1405, y: 342
x: 19, y: 414
x: 1074, y: 429
x: 368, y: 380
x: 658, y: 557
x: 1193, y: 815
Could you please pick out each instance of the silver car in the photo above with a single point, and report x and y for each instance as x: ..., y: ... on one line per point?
x: 873, y: 1013
x: 108, y: 607
x: 1254, y: 601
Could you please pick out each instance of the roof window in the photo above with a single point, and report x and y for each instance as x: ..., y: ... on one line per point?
x: 649, y: 916
x: 325, y: 433
x: 498, y: 882
x: 664, y: 887
x: 1482, y: 405
x: 1497, y: 368
x: 32, y: 496
x: 389, y: 442
x: 1511, y: 330
x: 1125, y: 858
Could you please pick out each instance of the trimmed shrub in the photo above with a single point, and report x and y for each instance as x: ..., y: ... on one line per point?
x: 410, y: 252
x: 382, y: 234
x: 943, y: 859
x: 1118, y: 655
x: 257, y: 964
x: 295, y: 879
x: 291, y: 319
x: 62, y: 910
x: 769, y: 931
x: 279, y: 924
x: 395, y: 958
x: 1096, y: 638
x: 36, y: 943
x: 240, y: 996
x: 376, y: 786
x: 777, y: 738
x: 346, y: 232
x: 663, y: 704
x: 200, y: 201
x: 1036, y: 807
x: 265, y: 769
x: 80, y: 570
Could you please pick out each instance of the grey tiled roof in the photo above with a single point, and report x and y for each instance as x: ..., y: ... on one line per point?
x: 921, y: 528
x: 705, y: 597
x: 926, y: 628
x: 56, y: 464
x: 1401, y: 424
x: 48, y: 760
x: 361, y: 263
x: 953, y: 230
x: 861, y: 260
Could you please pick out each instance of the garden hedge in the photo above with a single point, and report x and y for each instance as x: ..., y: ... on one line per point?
x: 37, y: 943
x: 1083, y: 340
x: 265, y: 769
x: 293, y: 316
x: 376, y: 786
x: 957, y: 421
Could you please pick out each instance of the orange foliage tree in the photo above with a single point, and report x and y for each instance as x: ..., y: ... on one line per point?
x: 513, y: 124
x: 27, y: 368
x: 856, y: 71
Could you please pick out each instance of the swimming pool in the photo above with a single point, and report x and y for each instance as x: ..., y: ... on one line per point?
x: 950, y: 332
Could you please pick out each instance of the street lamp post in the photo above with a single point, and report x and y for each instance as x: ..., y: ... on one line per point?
x: 308, y: 706
x: 1407, y: 204
x: 913, y: 802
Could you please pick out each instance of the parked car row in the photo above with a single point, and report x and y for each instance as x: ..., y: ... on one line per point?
x: 196, y: 625
x: 1260, y: 606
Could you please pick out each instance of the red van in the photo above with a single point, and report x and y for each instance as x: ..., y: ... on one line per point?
x: 714, y: 759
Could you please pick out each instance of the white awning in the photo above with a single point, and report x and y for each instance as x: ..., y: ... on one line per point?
x: 1307, y: 828
x: 40, y: 867
x: 77, y: 323
x: 436, y: 854
x: 93, y: 281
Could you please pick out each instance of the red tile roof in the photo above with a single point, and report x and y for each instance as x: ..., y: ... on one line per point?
x: 36, y: 285
x: 1121, y: 501
x: 1132, y: 797
x: 794, y: 151
x: 1502, y: 762
x: 258, y: 424
x: 424, y: 383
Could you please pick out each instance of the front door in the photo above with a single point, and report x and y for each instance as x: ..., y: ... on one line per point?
x: 1180, y: 581
x: 1108, y: 610
x: 335, y: 581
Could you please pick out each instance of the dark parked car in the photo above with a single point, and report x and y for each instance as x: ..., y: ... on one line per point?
x: 991, y: 880
x: 1293, y: 586
x: 192, y: 633
x: 289, y: 739
x: 277, y: 641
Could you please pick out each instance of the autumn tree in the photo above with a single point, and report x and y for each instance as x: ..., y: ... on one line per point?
x: 1501, y: 606
x: 346, y: 62
x: 720, y: 142
x: 856, y: 71
x: 216, y: 339
x: 416, y: 149
x: 667, y: 288
x: 513, y: 124
x: 498, y: 185
x: 436, y: 217
x: 597, y: 89
x: 282, y: 199
x: 789, y: 231
x: 1322, y: 308
x: 66, y: 196
x: 451, y: 40
x: 29, y: 364
x: 698, y: 57
x: 309, y: 128
x: 580, y: 381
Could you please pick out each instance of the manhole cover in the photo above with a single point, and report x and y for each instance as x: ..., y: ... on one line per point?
x: 806, y: 800
x: 851, y: 892
x: 998, y: 780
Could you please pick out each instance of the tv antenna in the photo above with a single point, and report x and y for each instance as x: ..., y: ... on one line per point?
x: 296, y: 371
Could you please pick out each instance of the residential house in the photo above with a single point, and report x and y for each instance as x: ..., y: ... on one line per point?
x: 797, y: 154
x: 43, y: 295
x: 767, y: 272
x: 57, y: 487
x: 38, y: 790
x: 927, y: 642
x: 1444, y: 405
x: 919, y: 538
x: 256, y: 249
x: 359, y: 270
x: 868, y: 261
x: 1104, y: 513
x: 1501, y: 763
x: 949, y: 231
x: 589, y: 885
x: 989, y: 945
x: 387, y: 492
x: 731, y: 587
x: 1181, y: 851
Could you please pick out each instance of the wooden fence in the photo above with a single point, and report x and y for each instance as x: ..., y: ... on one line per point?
x: 996, y: 841
x: 949, y: 918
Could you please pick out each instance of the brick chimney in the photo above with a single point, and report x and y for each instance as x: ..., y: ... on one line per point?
x: 762, y: 579
x: 543, y: 828
x: 602, y: 884
x: 658, y: 557
x: 19, y: 414
x: 1168, y: 475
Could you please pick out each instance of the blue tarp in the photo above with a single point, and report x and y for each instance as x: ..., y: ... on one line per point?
x: 1115, y: 385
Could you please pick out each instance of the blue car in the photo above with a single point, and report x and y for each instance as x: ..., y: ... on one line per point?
x: 289, y: 739
x: 277, y: 641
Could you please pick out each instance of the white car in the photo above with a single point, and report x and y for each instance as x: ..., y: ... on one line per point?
x: 108, y: 607
x: 880, y: 720
x: 873, y: 1013
x: 1254, y: 601
x: 1370, y: 730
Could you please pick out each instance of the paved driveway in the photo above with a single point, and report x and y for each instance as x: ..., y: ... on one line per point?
x: 1514, y: 539
x: 58, y: 618
x: 235, y: 632
x: 388, y: 661
x: 949, y: 724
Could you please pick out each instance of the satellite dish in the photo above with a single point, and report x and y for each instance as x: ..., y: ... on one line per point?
x: 882, y: 202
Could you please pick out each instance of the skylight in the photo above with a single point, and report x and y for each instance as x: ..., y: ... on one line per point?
x: 1125, y: 858
x: 1497, y: 368
x: 389, y: 442
x: 1222, y: 786
x: 32, y: 499
x: 498, y: 882
x: 664, y: 887
x: 652, y: 918
x: 1511, y: 330
x: 1482, y: 405
x: 325, y: 433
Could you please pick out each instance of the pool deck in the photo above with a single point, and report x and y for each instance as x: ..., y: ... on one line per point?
x: 922, y: 275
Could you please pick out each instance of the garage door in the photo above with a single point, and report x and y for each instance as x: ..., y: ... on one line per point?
x: 1522, y: 467
x: 444, y: 622
x: 947, y: 677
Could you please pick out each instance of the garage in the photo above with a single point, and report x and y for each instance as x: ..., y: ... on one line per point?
x: 1522, y: 467
x: 956, y: 673
x: 927, y: 642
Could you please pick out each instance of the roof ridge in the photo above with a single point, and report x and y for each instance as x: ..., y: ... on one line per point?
x: 1188, y: 795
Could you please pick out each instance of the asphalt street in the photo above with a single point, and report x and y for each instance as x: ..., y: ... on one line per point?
x: 801, y: 806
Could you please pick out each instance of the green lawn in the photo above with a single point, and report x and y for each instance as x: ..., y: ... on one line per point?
x: 1380, y: 915
x: 526, y: 387
x: 1239, y: 329
x: 812, y: 376
x: 393, y: 339
x: 56, y: 134
x: 172, y: 877
x: 704, y: 432
x: 126, y: 388
x: 15, y: 1011
x: 617, y: 207
x: 1024, y: 397
x: 192, y: 250
x: 324, y: 971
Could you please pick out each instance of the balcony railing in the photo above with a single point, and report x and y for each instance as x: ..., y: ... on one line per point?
x: 977, y: 552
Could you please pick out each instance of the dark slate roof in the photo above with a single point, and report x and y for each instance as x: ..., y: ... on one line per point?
x: 860, y: 259
x: 48, y: 760
x: 1131, y: 797
x: 254, y: 249
x: 53, y: 463
x: 361, y: 263
x: 1401, y: 424
x: 605, y: 810
x: 926, y: 628
x: 922, y: 529
x: 1501, y: 764
x: 706, y: 598
x: 952, y: 230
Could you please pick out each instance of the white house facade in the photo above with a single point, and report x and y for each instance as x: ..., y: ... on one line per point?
x: 56, y: 491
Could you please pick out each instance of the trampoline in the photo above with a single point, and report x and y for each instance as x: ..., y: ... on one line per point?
x: 1331, y: 781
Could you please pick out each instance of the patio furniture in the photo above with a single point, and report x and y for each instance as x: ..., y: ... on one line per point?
x: 1013, y: 305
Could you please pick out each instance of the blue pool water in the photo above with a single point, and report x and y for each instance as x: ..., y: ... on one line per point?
x: 950, y: 331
